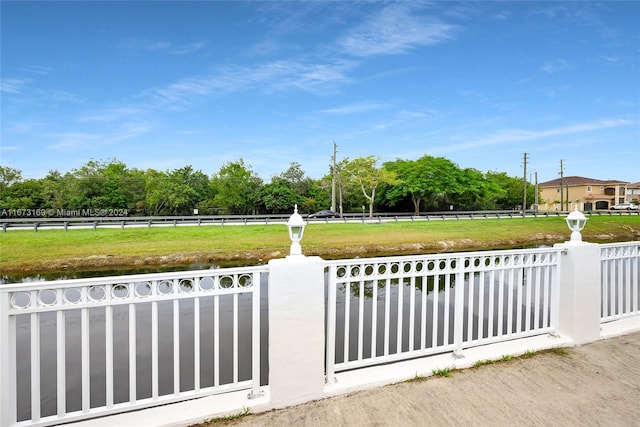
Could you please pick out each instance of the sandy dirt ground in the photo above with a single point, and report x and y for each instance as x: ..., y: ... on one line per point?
x: 597, y: 384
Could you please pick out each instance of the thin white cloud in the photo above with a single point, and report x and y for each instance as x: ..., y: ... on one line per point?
x: 24, y: 87
x: 402, y: 118
x: 87, y: 140
x: 14, y: 86
x: 111, y: 114
x: 502, y: 15
x: 519, y: 135
x: 129, y: 130
x: 264, y: 48
x: 187, y: 48
x: 73, y: 140
x: 394, y: 30
x: 356, y: 108
x: 9, y: 148
x: 282, y: 19
x: 56, y: 95
x: 163, y: 46
x: 556, y: 66
x: 268, y: 77
x: 36, y: 69
x: 24, y: 127
x: 614, y: 59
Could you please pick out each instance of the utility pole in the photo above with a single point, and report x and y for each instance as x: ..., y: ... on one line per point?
x: 536, y: 189
x: 524, y: 180
x: 561, y: 185
x: 333, y: 178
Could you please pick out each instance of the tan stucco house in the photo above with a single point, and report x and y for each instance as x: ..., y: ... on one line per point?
x: 587, y: 193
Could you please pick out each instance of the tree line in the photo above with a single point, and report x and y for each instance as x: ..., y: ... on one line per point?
x: 426, y: 184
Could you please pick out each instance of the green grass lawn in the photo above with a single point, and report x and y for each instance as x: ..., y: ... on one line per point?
x: 45, y: 250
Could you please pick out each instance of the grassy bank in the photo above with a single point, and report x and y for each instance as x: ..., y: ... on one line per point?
x: 54, y: 250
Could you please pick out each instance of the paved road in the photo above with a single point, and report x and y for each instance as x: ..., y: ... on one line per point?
x: 596, y: 384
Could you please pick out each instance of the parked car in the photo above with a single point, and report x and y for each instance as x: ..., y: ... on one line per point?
x: 324, y: 214
x: 624, y: 207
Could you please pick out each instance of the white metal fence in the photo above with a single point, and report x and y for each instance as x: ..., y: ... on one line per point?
x: 386, y: 309
x: 620, y: 278
x: 75, y: 349
x: 92, y: 347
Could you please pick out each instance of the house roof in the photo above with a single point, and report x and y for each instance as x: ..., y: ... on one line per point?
x: 634, y: 185
x: 578, y: 180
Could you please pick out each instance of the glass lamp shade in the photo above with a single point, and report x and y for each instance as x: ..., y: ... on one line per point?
x: 576, y: 222
x: 295, y: 232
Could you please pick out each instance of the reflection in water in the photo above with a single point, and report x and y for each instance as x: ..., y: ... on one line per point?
x: 402, y: 315
x: 388, y: 300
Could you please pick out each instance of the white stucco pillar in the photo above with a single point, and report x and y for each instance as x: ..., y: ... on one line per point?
x: 7, y: 362
x: 296, y: 330
x: 579, y: 293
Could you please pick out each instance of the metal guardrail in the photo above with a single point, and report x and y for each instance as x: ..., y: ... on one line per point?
x: 36, y: 223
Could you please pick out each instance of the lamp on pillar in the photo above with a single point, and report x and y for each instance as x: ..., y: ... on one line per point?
x: 296, y: 230
x: 576, y: 222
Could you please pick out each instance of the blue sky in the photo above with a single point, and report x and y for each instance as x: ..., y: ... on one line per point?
x: 167, y: 84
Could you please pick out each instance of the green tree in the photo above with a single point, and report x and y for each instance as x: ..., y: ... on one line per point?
x: 24, y: 194
x: 511, y: 191
x: 279, y: 196
x: 196, y: 180
x: 237, y: 189
x: 8, y: 176
x: 316, y: 198
x: 177, y: 192
x: 103, y: 185
x: 429, y: 179
x: 476, y: 192
x: 156, y: 194
x: 296, y: 176
x: 368, y: 175
x: 293, y: 187
x: 55, y: 192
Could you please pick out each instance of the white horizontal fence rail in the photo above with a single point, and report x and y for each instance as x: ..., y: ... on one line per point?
x: 381, y: 310
x: 620, y: 271
x: 76, y: 349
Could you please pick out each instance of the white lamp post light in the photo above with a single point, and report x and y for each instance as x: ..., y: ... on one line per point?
x: 296, y: 230
x: 576, y: 222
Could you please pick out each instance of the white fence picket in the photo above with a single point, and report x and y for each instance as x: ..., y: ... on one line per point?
x: 620, y: 280
x: 418, y: 308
